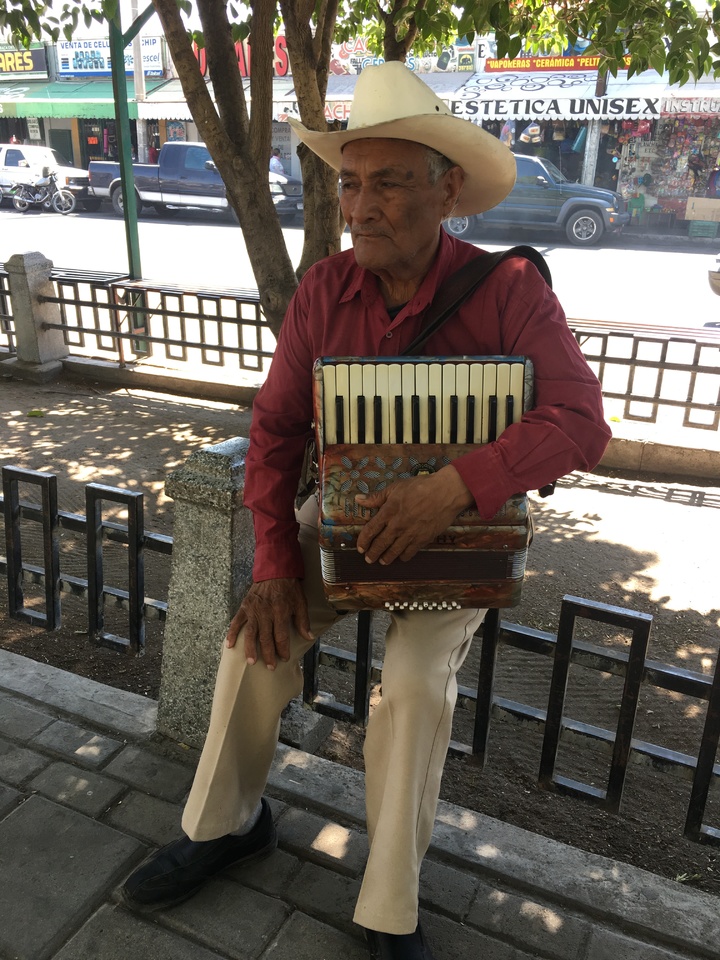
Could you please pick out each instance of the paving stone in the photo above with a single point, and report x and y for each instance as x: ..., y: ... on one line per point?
x: 327, y: 843
x: 154, y: 820
x: 20, y: 722
x: 446, y: 888
x: 303, y: 938
x: 56, y: 863
x: 153, y: 774
x: 530, y: 924
x: 227, y: 917
x: 607, y: 944
x: 113, y: 934
x: 451, y: 941
x: 77, y: 743
x: 271, y: 875
x: 325, y: 895
x: 9, y: 799
x: 83, y: 790
x: 18, y: 763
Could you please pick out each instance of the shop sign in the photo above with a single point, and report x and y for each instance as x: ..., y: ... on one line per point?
x: 353, y: 56
x: 33, y: 126
x: 243, y: 52
x: 538, y: 64
x: 334, y: 110
x: 83, y: 58
x: 23, y: 64
x: 554, y: 108
x: 697, y: 106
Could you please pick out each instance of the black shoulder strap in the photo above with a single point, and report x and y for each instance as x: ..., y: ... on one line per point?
x: 461, y: 284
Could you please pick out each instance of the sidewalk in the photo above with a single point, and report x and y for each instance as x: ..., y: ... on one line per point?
x: 86, y: 791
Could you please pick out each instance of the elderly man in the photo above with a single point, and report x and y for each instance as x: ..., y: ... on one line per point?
x: 405, y: 165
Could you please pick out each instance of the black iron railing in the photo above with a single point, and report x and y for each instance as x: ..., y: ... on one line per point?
x: 128, y: 320
x: 7, y: 326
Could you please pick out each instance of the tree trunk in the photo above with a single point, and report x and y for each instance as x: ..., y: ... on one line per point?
x: 240, y: 148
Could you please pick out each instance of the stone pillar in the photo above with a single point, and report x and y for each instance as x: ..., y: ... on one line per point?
x: 212, y: 562
x: 40, y: 350
x: 211, y: 570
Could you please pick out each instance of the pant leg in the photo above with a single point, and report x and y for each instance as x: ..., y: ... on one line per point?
x: 245, y: 718
x: 405, y: 749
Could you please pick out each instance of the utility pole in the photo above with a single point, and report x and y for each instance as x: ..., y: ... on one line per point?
x: 139, y: 81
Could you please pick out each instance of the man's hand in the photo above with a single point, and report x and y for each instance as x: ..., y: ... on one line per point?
x: 410, y: 514
x: 270, y: 611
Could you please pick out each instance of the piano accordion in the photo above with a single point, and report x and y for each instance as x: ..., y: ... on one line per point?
x: 381, y: 419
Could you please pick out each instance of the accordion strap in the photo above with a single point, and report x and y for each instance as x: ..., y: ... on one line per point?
x: 457, y: 288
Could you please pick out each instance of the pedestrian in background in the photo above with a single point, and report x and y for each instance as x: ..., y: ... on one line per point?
x: 275, y: 162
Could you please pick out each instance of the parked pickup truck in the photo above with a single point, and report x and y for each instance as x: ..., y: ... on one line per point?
x: 544, y: 199
x: 185, y: 176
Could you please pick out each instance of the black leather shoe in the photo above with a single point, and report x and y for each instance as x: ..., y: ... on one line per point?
x: 178, y: 870
x: 395, y: 946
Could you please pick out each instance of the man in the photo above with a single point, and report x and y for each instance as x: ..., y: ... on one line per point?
x: 275, y: 162
x: 405, y: 165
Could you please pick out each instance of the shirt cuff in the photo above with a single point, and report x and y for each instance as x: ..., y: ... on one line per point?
x: 278, y: 560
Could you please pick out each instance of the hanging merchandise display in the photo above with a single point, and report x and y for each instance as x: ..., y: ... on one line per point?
x: 668, y: 165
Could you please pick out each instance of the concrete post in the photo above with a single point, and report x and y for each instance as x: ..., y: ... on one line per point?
x: 213, y: 550
x: 212, y: 562
x: 592, y: 149
x: 40, y: 350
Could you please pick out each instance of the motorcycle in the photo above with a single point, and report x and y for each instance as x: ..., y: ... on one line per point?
x: 43, y: 193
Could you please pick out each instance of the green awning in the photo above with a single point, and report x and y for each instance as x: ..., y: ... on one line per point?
x: 63, y: 98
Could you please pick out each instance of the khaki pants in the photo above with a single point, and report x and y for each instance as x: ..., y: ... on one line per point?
x: 405, y: 745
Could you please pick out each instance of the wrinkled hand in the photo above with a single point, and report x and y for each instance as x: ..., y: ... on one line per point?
x: 411, y: 514
x: 270, y: 611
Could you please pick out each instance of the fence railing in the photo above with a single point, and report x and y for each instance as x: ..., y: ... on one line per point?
x: 563, y: 649
x: 643, y: 370
x: 7, y: 326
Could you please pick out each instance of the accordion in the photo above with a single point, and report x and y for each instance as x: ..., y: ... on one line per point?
x: 381, y: 419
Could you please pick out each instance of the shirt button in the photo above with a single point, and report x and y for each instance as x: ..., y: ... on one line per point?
x: 388, y: 335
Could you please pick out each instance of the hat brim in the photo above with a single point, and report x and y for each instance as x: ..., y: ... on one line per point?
x: 488, y: 164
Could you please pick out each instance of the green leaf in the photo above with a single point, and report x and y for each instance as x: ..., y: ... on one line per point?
x: 36, y: 413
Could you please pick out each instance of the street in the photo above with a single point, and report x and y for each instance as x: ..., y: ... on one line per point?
x: 621, y: 279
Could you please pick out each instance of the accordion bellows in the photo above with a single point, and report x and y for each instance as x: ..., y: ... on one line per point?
x: 379, y: 420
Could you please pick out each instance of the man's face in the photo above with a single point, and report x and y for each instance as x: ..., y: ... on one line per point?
x: 393, y: 211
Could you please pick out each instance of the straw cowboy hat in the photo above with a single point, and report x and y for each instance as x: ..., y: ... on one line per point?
x: 390, y: 101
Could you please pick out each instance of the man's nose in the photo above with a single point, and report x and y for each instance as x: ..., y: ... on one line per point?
x: 365, y: 205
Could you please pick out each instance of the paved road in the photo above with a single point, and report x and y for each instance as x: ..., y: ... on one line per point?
x: 622, y: 279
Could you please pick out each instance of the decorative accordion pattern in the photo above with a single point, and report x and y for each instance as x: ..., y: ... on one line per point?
x: 379, y: 420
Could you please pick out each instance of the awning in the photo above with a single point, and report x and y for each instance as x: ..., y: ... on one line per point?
x: 62, y: 98
x: 556, y: 96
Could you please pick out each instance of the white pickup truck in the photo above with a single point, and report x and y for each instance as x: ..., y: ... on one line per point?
x: 24, y: 163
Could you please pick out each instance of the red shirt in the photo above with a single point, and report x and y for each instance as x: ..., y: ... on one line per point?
x: 338, y: 310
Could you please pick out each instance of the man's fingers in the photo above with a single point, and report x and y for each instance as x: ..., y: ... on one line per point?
x: 236, y: 625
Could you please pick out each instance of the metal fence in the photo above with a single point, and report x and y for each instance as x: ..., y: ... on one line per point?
x: 644, y: 370
x: 122, y: 320
x: 562, y: 649
x: 7, y: 327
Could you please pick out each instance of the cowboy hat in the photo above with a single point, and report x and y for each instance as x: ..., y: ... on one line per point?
x: 390, y: 101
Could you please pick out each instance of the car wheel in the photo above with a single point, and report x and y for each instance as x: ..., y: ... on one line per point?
x: 92, y: 206
x: 460, y: 226
x: 584, y: 228
x: 118, y: 204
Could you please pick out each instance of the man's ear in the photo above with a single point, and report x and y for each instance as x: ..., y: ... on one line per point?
x: 454, y: 180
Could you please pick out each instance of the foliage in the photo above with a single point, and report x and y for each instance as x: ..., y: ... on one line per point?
x: 679, y: 36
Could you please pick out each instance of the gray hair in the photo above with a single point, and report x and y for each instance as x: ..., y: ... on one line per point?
x: 437, y: 164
